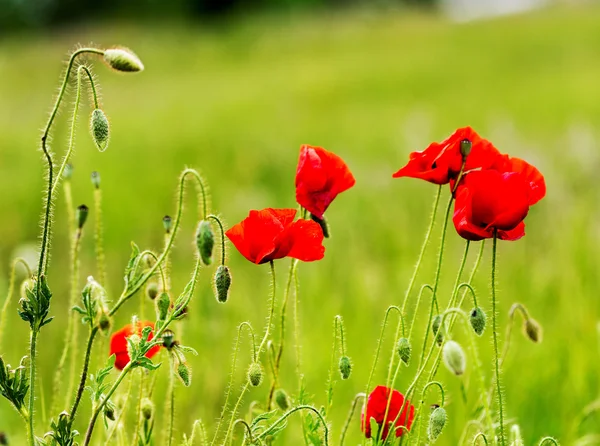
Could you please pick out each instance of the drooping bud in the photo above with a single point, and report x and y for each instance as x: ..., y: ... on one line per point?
x: 152, y: 290
x: 104, y: 323
x: 184, y: 373
x: 167, y: 223
x: 109, y: 412
x: 205, y: 241
x: 96, y: 179
x: 282, y: 399
x: 478, y: 319
x: 67, y: 175
x: 168, y: 339
x: 345, y: 367
x: 533, y: 330
x: 222, y: 282
x: 162, y: 306
x: 147, y: 408
x: 322, y: 223
x: 81, y: 215
x: 454, y: 357
x: 436, y: 326
x: 404, y: 350
x: 99, y: 128
x: 437, y: 421
x: 255, y: 374
x: 122, y: 59
x: 465, y: 147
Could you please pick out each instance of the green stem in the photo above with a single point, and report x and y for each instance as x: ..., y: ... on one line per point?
x: 420, y: 419
x: 222, y: 233
x: 349, y: 417
x: 338, y: 327
x: 84, y: 372
x: 433, y: 302
x: 290, y: 412
x: 99, y: 238
x: 11, y: 290
x: 32, y: 353
x: 495, y: 333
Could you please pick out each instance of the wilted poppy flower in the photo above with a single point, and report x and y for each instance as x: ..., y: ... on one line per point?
x: 320, y: 177
x: 118, y: 343
x: 273, y: 234
x: 376, y: 406
x: 440, y: 163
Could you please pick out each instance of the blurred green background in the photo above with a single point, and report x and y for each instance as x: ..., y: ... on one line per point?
x: 237, y: 97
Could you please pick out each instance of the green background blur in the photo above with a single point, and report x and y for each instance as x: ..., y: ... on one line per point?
x: 237, y: 97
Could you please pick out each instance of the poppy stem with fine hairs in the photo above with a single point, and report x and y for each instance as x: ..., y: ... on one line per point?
x: 495, y: 333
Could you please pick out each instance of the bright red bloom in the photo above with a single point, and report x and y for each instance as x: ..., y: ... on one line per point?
x: 273, y: 234
x: 537, y: 184
x: 118, y: 343
x: 320, y: 177
x: 440, y: 163
x: 376, y: 406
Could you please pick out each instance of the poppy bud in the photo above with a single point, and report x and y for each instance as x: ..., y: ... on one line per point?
x: 437, y: 331
x: 205, y: 241
x: 81, y: 215
x: 478, y: 320
x: 322, y: 223
x: 121, y: 59
x: 255, y: 374
x: 437, y: 421
x: 162, y: 306
x: 104, y: 323
x: 147, y: 408
x: 109, y: 412
x: 345, y: 367
x: 533, y: 330
x: 454, y: 357
x: 152, y: 290
x: 515, y: 436
x: 67, y: 175
x: 96, y: 179
x: 404, y: 350
x: 184, y: 373
x: 3, y: 439
x: 282, y: 399
x: 168, y: 339
x: 465, y: 147
x: 222, y: 283
x: 135, y: 340
x: 99, y: 128
x: 167, y: 223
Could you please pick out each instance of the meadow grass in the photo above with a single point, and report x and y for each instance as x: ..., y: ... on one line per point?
x: 237, y: 100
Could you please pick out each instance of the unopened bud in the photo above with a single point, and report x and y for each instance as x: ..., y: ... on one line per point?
x: 465, y: 147
x: 81, y: 215
x: 104, y: 323
x: 437, y: 421
x: 436, y: 326
x: 404, y: 350
x: 67, y: 175
x: 478, y: 320
x: 167, y: 223
x: 322, y: 223
x: 147, y: 408
x: 345, y: 367
x: 454, y: 357
x: 255, y: 374
x: 135, y: 340
x: 162, y: 306
x: 96, y: 179
x: 109, y: 412
x: 205, y: 241
x: 282, y: 399
x: 122, y: 59
x: 533, y: 330
x: 168, y: 339
x: 222, y: 282
x: 152, y: 290
x: 99, y: 128
x: 516, y: 439
x: 184, y: 373
x: 3, y: 439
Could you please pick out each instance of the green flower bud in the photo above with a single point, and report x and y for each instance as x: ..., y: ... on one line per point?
x: 404, y: 350
x: 437, y: 421
x: 152, y: 290
x: 109, y: 412
x: 322, y: 223
x: 282, y: 399
x: 67, y: 175
x: 533, y: 330
x: 478, y: 320
x: 345, y: 367
x: 122, y: 59
x: 99, y: 128
x: 515, y: 436
x: 104, y: 323
x: 205, y: 241
x: 437, y: 330
x: 96, y: 179
x: 184, y: 373
x: 147, y: 408
x: 167, y: 223
x: 454, y: 357
x: 162, y: 306
x: 222, y: 282
x: 168, y: 339
x: 81, y: 215
x: 465, y: 147
x: 255, y: 374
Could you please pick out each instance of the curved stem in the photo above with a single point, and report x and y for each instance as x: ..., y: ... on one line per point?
x: 548, y: 440
x: 290, y: 412
x: 482, y: 435
x: 11, y: 290
x: 469, y: 287
x: 412, y: 322
x: 349, y: 417
x: 248, y: 430
x: 236, y: 407
x: 222, y: 232
x: 495, y: 333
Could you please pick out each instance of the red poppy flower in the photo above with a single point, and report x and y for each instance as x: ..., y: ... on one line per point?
x: 118, y: 343
x: 376, y: 406
x: 535, y: 180
x: 440, y: 163
x: 273, y: 234
x: 320, y: 177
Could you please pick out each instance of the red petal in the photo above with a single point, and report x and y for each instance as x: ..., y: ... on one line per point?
x: 306, y: 241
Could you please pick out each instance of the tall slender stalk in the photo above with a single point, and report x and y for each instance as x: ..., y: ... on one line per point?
x: 11, y: 290
x: 495, y: 333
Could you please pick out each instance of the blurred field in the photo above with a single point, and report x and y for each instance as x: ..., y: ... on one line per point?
x: 237, y: 100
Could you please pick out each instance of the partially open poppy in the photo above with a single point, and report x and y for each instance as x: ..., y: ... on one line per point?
x: 440, y: 163
x: 535, y: 180
x: 376, y: 407
x: 272, y: 234
x: 320, y: 177
x: 118, y: 343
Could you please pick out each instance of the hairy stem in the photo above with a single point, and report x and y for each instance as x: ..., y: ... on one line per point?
x: 495, y: 333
